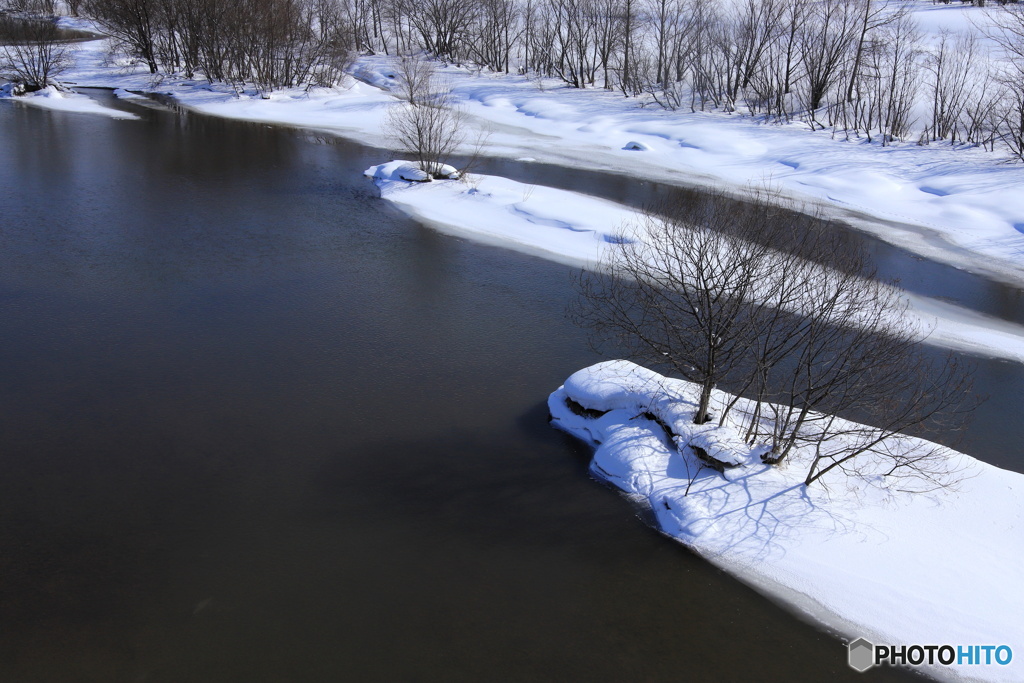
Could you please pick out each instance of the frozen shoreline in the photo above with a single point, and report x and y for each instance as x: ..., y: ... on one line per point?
x: 861, y: 557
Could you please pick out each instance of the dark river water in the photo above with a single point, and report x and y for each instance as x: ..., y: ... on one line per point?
x: 257, y: 426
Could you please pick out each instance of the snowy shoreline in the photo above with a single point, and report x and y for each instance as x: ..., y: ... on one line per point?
x: 957, y: 206
x: 358, y: 112
x: 863, y: 557
x: 577, y: 229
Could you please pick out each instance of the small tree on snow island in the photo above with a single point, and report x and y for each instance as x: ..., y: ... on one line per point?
x: 782, y: 308
x: 426, y: 124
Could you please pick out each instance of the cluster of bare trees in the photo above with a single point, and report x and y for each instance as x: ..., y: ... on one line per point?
x: 782, y: 309
x: 858, y: 66
x: 271, y: 43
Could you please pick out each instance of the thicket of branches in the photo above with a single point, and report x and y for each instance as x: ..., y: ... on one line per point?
x: 858, y: 66
x: 270, y: 43
x: 35, y: 53
x: 426, y: 124
x: 780, y: 308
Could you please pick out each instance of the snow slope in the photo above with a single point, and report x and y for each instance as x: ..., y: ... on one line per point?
x: 860, y: 555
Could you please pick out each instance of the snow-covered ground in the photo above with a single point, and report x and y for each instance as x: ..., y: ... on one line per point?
x: 960, y: 206
x: 862, y: 556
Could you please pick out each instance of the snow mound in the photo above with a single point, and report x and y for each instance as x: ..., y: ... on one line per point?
x: 635, y: 146
x: 409, y: 171
x: 51, y: 97
x: 122, y: 94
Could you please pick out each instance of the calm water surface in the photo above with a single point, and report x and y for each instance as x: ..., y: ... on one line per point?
x: 257, y: 426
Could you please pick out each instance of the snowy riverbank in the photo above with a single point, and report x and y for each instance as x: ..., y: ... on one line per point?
x: 862, y: 556
x: 591, y: 129
x: 960, y: 206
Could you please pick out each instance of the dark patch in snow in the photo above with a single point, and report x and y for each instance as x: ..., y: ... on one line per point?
x: 709, y: 461
x: 935, y: 191
x: 578, y: 409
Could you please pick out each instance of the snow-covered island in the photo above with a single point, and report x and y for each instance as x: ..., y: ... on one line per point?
x: 864, y: 556
x: 578, y: 230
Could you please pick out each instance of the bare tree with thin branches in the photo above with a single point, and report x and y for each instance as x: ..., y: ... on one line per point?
x: 780, y: 307
x: 427, y: 124
x: 37, y: 57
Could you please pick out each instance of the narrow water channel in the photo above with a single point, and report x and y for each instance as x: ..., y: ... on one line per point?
x: 257, y: 426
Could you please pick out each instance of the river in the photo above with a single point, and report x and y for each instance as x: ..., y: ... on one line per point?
x: 255, y: 425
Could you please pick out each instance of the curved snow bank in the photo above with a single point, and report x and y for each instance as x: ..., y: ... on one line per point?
x: 960, y: 206
x: 577, y: 229
x: 564, y: 226
x: 52, y: 98
x: 864, y: 557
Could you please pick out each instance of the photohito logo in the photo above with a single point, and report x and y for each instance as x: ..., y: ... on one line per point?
x: 864, y: 654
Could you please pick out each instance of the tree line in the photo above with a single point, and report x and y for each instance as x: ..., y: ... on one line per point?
x: 859, y: 67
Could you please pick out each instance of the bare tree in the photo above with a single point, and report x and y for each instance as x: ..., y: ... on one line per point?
x: 778, y: 306
x: 37, y: 57
x: 680, y: 293
x: 1006, y: 28
x: 825, y: 43
x: 133, y: 23
x: 427, y: 125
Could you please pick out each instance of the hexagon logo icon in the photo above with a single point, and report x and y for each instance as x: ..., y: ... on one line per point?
x: 862, y: 655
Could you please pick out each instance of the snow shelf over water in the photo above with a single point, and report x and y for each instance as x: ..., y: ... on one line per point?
x: 861, y: 555
x: 578, y: 230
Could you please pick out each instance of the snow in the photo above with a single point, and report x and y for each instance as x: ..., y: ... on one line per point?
x: 52, y: 98
x: 864, y: 557
x: 563, y: 226
x: 956, y: 205
x: 577, y: 230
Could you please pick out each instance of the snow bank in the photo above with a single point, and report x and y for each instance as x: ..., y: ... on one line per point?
x: 578, y: 229
x: 564, y: 226
x: 862, y: 557
x: 960, y: 206
x: 52, y: 98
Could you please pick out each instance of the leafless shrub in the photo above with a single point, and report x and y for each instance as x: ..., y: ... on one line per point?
x: 39, y: 55
x: 427, y: 125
